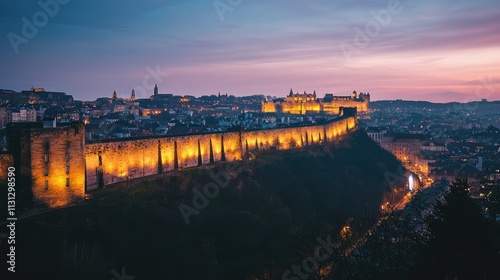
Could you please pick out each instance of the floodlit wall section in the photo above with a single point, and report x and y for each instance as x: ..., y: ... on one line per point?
x: 57, y: 165
x: 338, y: 128
x: 289, y: 138
x: 117, y: 161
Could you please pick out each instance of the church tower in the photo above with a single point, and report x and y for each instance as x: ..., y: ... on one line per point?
x: 114, y: 95
x: 132, y: 96
x: 156, y: 90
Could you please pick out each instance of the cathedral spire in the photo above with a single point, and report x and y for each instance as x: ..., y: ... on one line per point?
x: 156, y: 90
x: 114, y: 95
x: 291, y: 92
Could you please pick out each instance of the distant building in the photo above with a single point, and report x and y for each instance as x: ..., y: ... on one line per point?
x: 301, y: 104
x: 426, y: 157
x: 16, y: 115
x: 132, y: 96
x: 165, y: 97
x: 431, y: 146
x: 451, y: 170
x: 40, y: 95
x: 119, y: 108
x: 405, y: 146
x: 376, y: 134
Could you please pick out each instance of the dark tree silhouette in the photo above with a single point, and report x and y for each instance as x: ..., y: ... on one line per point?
x: 460, y: 244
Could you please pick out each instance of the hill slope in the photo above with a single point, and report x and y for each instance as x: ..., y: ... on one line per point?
x: 238, y: 218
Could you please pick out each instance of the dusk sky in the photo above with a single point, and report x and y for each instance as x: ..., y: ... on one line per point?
x: 427, y: 50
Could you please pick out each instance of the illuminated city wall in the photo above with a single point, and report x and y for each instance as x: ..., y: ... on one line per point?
x: 338, y: 128
x: 60, y: 168
x: 292, y: 137
x: 116, y: 161
x: 119, y: 160
x: 282, y: 138
x: 57, y: 164
x: 232, y: 146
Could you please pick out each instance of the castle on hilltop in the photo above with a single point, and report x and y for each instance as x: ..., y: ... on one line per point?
x: 55, y: 167
x: 301, y: 104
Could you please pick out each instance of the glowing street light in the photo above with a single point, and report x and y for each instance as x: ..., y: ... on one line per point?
x: 346, y: 232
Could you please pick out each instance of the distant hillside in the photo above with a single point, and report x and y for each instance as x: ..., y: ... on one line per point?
x: 242, y: 231
x: 475, y: 105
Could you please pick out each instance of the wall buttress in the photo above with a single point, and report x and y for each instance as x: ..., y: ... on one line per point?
x: 241, y: 145
x: 223, y: 153
x: 211, y: 152
x: 160, y: 164
x: 200, y: 161
x: 176, y: 157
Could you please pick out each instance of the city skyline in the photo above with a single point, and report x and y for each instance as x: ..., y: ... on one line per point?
x: 440, y: 52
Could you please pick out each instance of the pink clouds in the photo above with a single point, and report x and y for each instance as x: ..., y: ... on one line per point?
x: 433, y: 51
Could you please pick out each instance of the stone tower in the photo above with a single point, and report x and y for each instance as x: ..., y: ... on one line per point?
x: 132, y: 96
x: 156, y: 90
x: 50, y: 162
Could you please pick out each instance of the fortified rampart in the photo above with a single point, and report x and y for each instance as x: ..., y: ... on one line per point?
x: 61, y: 168
x: 116, y: 161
